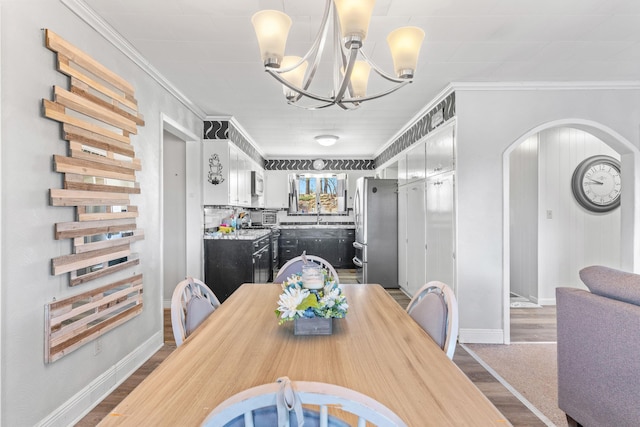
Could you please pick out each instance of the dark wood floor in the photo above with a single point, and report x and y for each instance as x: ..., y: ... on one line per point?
x: 527, y: 324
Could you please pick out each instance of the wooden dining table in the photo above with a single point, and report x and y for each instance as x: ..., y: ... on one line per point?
x: 377, y: 349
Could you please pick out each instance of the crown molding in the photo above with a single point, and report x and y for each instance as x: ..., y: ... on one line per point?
x: 95, y: 21
x: 544, y: 85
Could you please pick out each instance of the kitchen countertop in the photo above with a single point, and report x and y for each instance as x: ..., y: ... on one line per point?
x: 239, y: 235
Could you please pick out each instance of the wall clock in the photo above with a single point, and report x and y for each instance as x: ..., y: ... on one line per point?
x: 596, y: 183
x: 318, y: 164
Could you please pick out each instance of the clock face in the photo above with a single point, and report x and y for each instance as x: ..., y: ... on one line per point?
x: 318, y: 164
x: 596, y: 183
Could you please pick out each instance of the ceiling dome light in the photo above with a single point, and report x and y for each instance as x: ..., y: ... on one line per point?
x: 326, y: 140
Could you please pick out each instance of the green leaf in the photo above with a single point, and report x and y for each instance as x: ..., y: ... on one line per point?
x: 309, y: 301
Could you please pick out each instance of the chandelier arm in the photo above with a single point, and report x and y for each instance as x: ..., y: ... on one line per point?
x: 380, y: 72
x: 375, y: 96
x: 346, y: 78
x: 299, y: 89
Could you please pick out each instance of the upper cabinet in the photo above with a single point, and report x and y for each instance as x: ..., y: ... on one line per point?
x: 440, y: 152
x: 276, y: 189
x: 227, y: 174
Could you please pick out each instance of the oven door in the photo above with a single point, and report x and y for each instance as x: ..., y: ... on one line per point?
x: 360, y: 261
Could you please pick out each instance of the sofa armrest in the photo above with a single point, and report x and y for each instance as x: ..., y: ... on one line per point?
x: 598, y: 358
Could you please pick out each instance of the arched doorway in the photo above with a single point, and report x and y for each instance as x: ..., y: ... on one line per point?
x: 551, y: 237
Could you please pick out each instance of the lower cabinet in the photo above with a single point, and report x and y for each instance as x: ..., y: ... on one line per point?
x: 230, y: 263
x: 334, y: 245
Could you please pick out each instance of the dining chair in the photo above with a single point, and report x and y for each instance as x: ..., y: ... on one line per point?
x: 280, y: 404
x: 435, y: 308
x: 294, y: 266
x: 192, y: 302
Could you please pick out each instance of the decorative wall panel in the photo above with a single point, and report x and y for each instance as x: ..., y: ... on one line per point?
x: 223, y: 129
x: 98, y: 113
x: 298, y: 165
x: 437, y: 116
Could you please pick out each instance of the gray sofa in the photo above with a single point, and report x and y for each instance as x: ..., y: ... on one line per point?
x: 599, y: 349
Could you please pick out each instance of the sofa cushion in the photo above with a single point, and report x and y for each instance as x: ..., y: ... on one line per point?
x: 612, y: 283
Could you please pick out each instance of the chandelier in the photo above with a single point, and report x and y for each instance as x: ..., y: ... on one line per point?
x: 349, y: 20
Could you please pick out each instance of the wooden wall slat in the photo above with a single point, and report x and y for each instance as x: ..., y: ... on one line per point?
x: 65, y: 68
x: 62, y: 197
x: 52, y: 111
x: 81, y: 247
x: 60, y: 45
x: 78, y: 280
x: 66, y: 263
x: 106, y: 215
x: 69, y: 230
x: 84, y: 106
x: 86, y: 94
x: 80, y: 154
x: 92, y: 139
x: 91, y: 168
x: 83, y: 186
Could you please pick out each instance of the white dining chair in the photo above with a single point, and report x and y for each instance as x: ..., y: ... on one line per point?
x: 192, y: 302
x: 435, y: 308
x: 280, y: 404
x: 294, y: 266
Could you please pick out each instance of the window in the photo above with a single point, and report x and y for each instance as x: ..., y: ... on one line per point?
x: 317, y: 193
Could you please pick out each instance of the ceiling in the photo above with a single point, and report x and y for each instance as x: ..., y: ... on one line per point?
x: 208, y: 51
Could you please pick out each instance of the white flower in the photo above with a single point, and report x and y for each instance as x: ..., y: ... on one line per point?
x: 289, y: 301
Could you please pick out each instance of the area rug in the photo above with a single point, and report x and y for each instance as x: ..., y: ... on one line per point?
x: 529, y: 371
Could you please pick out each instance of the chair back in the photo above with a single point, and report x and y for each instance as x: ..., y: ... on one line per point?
x: 294, y: 266
x: 280, y: 404
x: 435, y: 308
x: 192, y: 302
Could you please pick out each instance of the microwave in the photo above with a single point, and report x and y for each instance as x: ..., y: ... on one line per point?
x: 257, y: 184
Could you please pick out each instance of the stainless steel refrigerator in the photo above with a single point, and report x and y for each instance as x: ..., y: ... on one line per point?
x: 375, y: 208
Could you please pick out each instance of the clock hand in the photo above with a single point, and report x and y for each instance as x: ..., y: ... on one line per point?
x: 593, y: 181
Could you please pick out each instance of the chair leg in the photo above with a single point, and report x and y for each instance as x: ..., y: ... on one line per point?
x: 571, y: 422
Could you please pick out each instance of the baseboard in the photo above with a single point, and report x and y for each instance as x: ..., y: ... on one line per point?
x: 166, y: 303
x: 481, y: 336
x: 86, y: 399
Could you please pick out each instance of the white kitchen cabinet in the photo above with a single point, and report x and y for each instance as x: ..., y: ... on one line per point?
x: 402, y: 169
x: 235, y: 171
x: 440, y: 152
x: 440, y: 238
x: 416, y: 162
x: 276, y: 189
x: 416, y: 237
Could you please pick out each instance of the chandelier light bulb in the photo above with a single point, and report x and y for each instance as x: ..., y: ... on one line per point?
x: 272, y: 29
x: 295, y: 76
x: 405, y: 44
x: 354, y: 16
x: 360, y: 79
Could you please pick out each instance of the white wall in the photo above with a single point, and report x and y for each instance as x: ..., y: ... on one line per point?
x: 55, y: 394
x: 572, y: 238
x: 490, y: 121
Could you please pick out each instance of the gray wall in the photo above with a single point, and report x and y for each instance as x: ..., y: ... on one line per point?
x: 33, y: 393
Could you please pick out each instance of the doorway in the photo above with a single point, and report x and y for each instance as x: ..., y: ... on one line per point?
x: 180, y: 207
x: 549, y: 237
x: 174, y: 209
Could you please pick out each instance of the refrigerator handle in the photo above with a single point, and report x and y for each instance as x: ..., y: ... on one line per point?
x: 357, y: 262
x: 358, y: 245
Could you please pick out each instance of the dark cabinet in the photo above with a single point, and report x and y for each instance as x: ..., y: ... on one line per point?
x: 229, y: 263
x: 333, y: 244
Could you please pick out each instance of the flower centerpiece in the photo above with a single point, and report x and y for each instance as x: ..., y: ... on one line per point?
x: 298, y: 303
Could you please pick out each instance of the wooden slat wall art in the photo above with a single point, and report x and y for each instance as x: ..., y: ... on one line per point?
x: 72, y: 322
x: 99, y: 113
